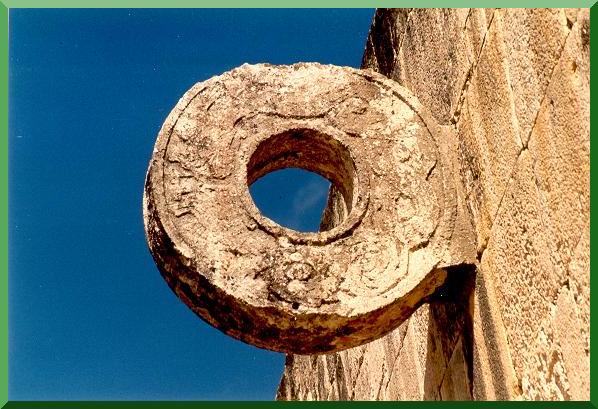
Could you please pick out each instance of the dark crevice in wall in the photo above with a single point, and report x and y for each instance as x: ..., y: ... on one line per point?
x: 383, y: 41
x: 451, y: 321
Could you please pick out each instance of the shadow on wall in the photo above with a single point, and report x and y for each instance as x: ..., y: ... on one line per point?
x: 451, y: 366
x: 449, y: 358
x: 453, y: 359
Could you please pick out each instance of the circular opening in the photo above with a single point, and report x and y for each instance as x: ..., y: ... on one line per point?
x: 294, y: 198
x: 316, y: 152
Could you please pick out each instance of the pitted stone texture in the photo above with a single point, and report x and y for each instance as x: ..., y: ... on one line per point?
x: 413, y: 362
x: 522, y: 114
x: 274, y: 287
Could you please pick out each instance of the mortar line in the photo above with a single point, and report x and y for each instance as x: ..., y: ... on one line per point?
x: 470, y: 72
x: 398, y: 354
x: 545, y: 91
x: 525, y: 146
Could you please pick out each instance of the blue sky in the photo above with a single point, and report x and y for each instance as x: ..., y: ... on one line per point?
x: 89, y: 315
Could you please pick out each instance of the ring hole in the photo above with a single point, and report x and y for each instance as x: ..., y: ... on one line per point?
x: 294, y: 198
x: 315, y: 152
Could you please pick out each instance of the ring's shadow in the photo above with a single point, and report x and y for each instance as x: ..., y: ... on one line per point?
x: 449, y: 359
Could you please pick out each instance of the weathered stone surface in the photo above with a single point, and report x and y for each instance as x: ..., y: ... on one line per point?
x: 493, y: 375
x: 518, y: 261
x: 533, y: 47
x: 409, y: 363
x: 399, y: 224
x: 488, y: 111
x: 560, y: 145
x: 434, y: 67
x: 515, y: 85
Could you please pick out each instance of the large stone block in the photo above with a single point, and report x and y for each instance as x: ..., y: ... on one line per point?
x: 489, y: 131
x: 493, y: 374
x: 407, y: 379
x: 560, y: 145
x: 518, y: 261
x: 436, y: 66
x: 570, y: 334
x: 534, y: 41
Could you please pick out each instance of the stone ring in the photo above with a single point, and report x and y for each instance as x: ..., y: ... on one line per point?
x: 385, y: 236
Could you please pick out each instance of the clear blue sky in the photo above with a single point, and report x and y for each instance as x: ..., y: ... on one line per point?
x: 89, y: 315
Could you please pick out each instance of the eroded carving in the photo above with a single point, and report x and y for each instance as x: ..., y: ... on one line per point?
x: 380, y: 255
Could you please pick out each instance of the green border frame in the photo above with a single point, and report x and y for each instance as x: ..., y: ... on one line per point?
x: 4, y: 15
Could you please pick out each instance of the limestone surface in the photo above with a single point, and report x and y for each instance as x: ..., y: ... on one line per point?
x: 514, y: 86
x: 398, y: 222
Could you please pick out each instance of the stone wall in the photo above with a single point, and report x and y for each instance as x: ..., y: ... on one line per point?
x: 514, y: 84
